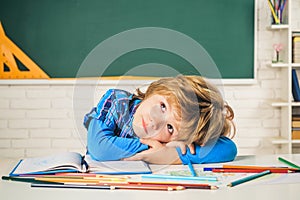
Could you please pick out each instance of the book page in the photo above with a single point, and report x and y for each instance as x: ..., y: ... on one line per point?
x: 62, y: 161
x: 117, y: 167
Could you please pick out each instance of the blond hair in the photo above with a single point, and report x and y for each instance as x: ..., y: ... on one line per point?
x: 198, y: 104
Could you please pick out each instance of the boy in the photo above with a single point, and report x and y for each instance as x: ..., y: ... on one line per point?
x: 156, y: 126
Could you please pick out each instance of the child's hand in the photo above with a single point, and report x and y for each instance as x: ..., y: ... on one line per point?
x: 182, y: 146
x: 154, y: 146
x: 158, y: 153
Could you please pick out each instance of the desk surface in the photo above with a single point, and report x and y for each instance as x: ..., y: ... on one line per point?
x: 16, y: 190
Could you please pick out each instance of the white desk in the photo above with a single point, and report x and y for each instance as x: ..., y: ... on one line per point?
x: 16, y: 190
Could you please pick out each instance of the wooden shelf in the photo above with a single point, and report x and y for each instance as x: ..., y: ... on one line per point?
x: 285, y: 102
x: 295, y: 104
x: 278, y: 65
x: 280, y: 103
x: 279, y: 140
x: 279, y: 26
x: 296, y: 141
x: 295, y: 65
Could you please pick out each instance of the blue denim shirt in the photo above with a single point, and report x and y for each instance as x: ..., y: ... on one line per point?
x: 111, y: 137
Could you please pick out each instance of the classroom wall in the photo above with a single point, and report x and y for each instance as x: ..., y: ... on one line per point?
x: 38, y: 119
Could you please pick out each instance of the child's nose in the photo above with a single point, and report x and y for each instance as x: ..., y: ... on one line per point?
x: 157, y: 125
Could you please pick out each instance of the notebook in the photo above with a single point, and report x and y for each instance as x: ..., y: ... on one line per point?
x: 75, y: 162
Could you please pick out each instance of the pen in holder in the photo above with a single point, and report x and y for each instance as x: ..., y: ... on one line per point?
x: 277, y: 9
x: 277, y: 49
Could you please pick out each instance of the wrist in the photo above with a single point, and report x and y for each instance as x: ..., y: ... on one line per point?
x: 182, y: 157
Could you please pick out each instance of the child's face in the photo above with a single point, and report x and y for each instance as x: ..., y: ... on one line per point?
x: 154, y: 118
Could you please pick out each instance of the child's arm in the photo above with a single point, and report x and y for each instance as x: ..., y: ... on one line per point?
x: 103, y: 142
x: 103, y: 145
x: 223, y: 150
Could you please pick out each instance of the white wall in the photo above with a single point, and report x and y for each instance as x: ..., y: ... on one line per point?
x: 38, y: 118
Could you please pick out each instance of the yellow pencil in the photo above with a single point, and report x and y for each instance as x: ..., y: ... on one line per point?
x: 84, y: 180
x: 273, y: 13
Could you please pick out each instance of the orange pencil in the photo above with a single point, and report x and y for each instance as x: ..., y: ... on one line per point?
x: 256, y: 167
x: 79, y: 180
x: 147, y: 187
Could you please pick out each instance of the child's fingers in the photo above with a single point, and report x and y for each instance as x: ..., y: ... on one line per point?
x: 192, y: 148
x: 181, y: 145
x: 151, y: 143
x: 133, y: 158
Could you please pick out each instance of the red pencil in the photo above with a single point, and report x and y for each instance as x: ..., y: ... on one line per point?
x: 256, y: 167
x: 227, y: 170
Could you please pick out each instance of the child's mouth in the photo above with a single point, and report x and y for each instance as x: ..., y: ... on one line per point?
x: 144, y: 126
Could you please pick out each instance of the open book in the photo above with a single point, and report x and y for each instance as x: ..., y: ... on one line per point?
x: 74, y: 162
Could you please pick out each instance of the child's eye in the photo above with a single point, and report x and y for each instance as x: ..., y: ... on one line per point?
x: 163, y: 107
x: 170, y: 128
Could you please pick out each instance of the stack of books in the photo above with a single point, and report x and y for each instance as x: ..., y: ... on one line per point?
x: 295, y: 86
x: 296, y: 127
x: 296, y: 47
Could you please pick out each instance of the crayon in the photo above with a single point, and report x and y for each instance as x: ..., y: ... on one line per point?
x: 248, y: 178
x: 288, y: 163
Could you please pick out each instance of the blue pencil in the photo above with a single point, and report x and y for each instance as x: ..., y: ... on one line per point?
x: 249, y: 178
x: 192, y: 170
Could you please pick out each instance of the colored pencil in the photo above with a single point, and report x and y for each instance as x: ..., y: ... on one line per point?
x: 69, y: 174
x: 185, y: 185
x: 22, y: 179
x: 192, y: 170
x: 54, y: 185
x: 227, y: 170
x: 84, y: 182
x: 249, y: 178
x: 255, y: 167
x: 147, y: 187
x: 76, y: 180
x: 288, y: 163
x: 192, y: 178
x: 277, y: 21
x: 110, y: 187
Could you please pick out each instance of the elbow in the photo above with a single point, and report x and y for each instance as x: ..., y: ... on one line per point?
x: 224, y: 150
x: 95, y: 149
x: 94, y: 152
x: 229, y: 152
x: 232, y: 154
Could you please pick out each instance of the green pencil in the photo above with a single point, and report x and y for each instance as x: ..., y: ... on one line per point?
x: 248, y: 178
x: 25, y: 179
x: 288, y: 163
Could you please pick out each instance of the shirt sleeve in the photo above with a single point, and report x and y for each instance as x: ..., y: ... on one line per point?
x: 103, y: 145
x: 222, y: 150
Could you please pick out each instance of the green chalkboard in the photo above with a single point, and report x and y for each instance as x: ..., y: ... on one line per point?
x: 71, y: 38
